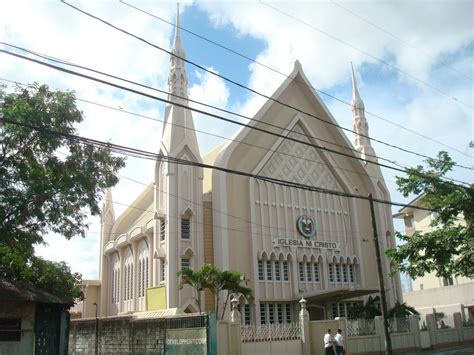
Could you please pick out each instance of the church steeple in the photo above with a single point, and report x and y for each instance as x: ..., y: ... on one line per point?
x: 177, y: 78
x: 359, y: 123
x: 178, y: 128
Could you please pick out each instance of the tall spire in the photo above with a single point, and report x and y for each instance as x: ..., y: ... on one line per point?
x: 359, y: 122
x: 177, y: 78
x: 178, y: 127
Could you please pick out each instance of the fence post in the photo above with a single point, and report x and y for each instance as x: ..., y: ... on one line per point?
x: 414, y: 327
x: 431, y: 325
x: 380, y: 331
x: 458, y: 325
x: 304, y: 328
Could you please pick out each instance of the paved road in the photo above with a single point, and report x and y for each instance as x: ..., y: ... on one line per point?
x: 459, y: 350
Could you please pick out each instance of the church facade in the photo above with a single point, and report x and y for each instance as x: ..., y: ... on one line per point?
x: 290, y: 243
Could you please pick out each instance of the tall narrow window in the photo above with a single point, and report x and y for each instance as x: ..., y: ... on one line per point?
x: 162, y: 229
x: 331, y: 272
x: 163, y: 270
x: 309, y: 274
x: 140, y: 277
x: 316, y: 272
x: 271, y: 313
x: 261, y: 276
x: 147, y: 274
x: 338, y: 273
x: 185, y: 263
x: 280, y: 312
x: 285, y: 271
x: 269, y: 270
x: 185, y: 228
x: 301, y: 271
x: 287, y: 313
x: 277, y: 271
x: 351, y: 274
x: 344, y: 272
x: 247, y: 314
x: 263, y: 314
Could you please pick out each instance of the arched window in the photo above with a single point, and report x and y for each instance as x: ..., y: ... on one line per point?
x: 128, y: 277
x: 115, y: 284
x: 143, y: 271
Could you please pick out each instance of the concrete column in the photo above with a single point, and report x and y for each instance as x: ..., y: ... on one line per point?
x: 304, y: 326
x: 431, y: 325
x: 413, y: 322
x: 380, y: 331
x: 458, y: 325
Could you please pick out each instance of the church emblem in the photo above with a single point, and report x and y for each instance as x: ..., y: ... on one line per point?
x: 306, y: 226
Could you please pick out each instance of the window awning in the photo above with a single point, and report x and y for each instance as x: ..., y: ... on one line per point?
x: 337, y: 294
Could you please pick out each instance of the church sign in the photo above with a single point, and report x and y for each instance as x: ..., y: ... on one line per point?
x: 299, y: 243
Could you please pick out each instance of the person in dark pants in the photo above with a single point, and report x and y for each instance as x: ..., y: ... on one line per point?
x: 339, y: 339
x: 328, y: 343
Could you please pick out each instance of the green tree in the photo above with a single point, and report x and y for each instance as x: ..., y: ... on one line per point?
x: 47, y: 184
x: 211, y: 278
x: 402, y: 310
x: 449, y: 249
x: 369, y: 310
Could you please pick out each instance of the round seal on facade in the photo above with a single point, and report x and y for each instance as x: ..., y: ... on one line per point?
x: 306, y: 226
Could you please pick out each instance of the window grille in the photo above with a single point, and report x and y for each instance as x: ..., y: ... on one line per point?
x: 288, y: 312
x: 280, y: 312
x: 277, y: 271
x: 301, y: 270
x: 331, y: 272
x: 344, y: 273
x: 185, y: 263
x: 338, y: 273
x: 10, y: 329
x: 269, y: 270
x: 261, y: 276
x: 316, y: 272
x: 285, y: 270
x: 271, y: 313
x: 185, y: 228
x: 351, y: 274
x: 163, y: 270
x: 162, y: 229
x: 263, y: 314
x: 140, y: 278
x: 309, y: 274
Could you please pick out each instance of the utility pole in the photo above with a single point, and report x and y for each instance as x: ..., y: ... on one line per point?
x: 388, y: 339
x: 96, y: 350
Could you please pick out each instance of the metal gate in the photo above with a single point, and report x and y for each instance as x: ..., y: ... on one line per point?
x: 47, y: 322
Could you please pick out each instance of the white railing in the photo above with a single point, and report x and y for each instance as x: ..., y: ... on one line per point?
x: 360, y: 327
x: 271, y: 332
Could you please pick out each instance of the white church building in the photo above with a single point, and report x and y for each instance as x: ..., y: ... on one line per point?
x: 290, y: 243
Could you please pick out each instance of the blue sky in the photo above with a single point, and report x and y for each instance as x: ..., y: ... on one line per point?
x: 443, y: 31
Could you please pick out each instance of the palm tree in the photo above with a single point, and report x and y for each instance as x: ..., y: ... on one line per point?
x: 402, y: 310
x: 195, y: 279
x: 233, y: 286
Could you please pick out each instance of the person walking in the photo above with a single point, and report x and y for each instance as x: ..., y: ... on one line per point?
x: 328, y: 343
x: 339, y: 339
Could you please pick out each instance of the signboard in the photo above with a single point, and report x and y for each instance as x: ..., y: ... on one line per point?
x: 186, y: 341
x: 315, y: 244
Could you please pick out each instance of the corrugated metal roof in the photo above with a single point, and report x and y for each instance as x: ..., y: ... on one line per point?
x: 157, y: 314
x: 16, y: 291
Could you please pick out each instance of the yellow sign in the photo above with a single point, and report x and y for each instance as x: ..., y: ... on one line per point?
x: 156, y: 298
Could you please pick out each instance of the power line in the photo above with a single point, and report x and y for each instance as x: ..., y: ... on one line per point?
x: 120, y: 149
x: 398, y: 38
x: 232, y: 81
x: 369, y: 55
x: 203, y: 112
x: 300, y: 81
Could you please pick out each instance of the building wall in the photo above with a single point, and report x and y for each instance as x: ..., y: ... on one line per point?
x: 25, y: 311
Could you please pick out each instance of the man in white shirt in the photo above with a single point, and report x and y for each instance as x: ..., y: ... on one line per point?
x: 328, y: 343
x: 339, y: 339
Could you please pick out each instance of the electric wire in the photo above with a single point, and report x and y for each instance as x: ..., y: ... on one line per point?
x: 296, y: 79
x: 204, y: 112
x: 384, y: 62
x: 398, y: 38
x: 120, y: 149
x: 226, y: 78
